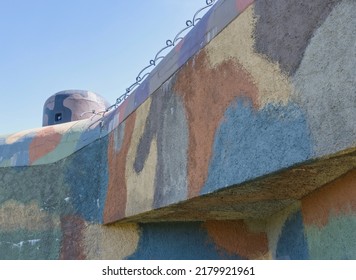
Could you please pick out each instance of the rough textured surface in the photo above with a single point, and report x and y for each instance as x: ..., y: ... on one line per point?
x: 166, y: 122
x: 88, y: 184
x: 117, y: 191
x: 257, y: 199
x: 284, y: 28
x: 325, y: 81
x: 240, y: 145
x: 207, y: 92
x: 110, y: 242
x: 140, y: 185
x: 237, y: 238
x: 291, y: 242
x: 72, y: 234
x: 236, y: 44
x: 329, y: 218
x: 177, y: 241
x: 282, y: 139
x: 335, y: 199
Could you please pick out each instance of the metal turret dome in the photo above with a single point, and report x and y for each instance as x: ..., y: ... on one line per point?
x: 71, y: 105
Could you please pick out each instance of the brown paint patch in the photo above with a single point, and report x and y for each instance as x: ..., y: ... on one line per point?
x: 46, y: 140
x: 235, y: 238
x: 115, y: 204
x: 207, y: 92
x: 123, y: 113
x: 72, y: 231
x: 337, y: 197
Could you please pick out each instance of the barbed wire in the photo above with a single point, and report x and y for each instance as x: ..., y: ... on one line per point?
x: 142, y: 75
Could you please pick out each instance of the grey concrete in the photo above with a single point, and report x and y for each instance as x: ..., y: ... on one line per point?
x: 284, y: 28
x: 326, y: 81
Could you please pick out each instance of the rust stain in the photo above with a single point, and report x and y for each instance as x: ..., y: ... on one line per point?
x: 46, y: 140
x: 337, y: 198
x: 115, y: 204
x: 235, y: 238
x: 207, y: 92
x: 72, y: 231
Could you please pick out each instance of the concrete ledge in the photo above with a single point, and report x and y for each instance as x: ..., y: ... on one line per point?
x: 234, y: 113
x: 260, y: 198
x: 255, y: 135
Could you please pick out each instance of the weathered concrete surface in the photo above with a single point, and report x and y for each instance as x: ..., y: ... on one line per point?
x: 319, y: 226
x: 329, y: 218
x: 259, y: 198
x: 325, y: 82
x: 281, y: 35
x: 247, y: 143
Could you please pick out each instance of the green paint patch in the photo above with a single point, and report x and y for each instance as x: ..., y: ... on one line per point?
x: 5, y: 163
x: 42, y: 184
x: 30, y: 245
x: 65, y: 148
x: 336, y: 240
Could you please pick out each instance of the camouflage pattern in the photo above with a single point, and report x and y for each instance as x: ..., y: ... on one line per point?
x: 71, y: 105
x: 239, y: 145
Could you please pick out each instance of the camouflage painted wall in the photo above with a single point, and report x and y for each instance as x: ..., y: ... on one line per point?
x: 256, y: 88
x: 320, y: 226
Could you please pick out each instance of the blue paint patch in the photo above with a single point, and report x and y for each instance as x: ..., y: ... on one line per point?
x: 194, y: 40
x: 109, y: 122
x: 86, y: 173
x: 292, y: 243
x: 119, y: 134
x: 252, y: 143
x: 17, y: 152
x: 141, y: 93
x: 88, y: 136
x: 176, y: 241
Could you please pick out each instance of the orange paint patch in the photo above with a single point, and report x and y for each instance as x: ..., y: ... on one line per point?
x: 46, y: 140
x: 335, y: 198
x: 207, y: 93
x: 234, y: 237
x: 115, y: 204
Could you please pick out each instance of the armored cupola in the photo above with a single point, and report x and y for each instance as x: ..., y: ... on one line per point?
x: 71, y: 105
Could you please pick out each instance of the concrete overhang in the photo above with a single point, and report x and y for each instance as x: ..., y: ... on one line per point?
x: 259, y: 198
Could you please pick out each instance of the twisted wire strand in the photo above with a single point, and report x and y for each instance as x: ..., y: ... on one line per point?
x: 158, y: 56
x: 152, y: 63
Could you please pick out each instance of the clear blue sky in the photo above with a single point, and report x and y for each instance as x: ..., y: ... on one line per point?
x: 100, y: 45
